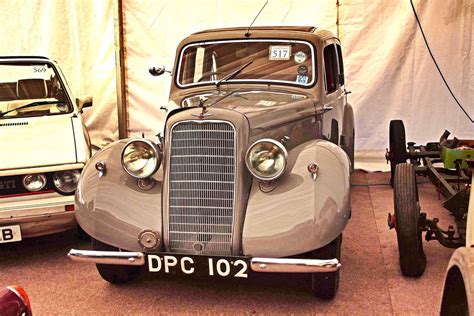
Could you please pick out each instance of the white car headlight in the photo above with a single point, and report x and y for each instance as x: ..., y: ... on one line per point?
x: 141, y: 158
x: 266, y: 159
x: 34, y: 182
x: 66, y: 181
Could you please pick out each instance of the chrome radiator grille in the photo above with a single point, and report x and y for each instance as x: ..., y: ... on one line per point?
x: 201, y: 187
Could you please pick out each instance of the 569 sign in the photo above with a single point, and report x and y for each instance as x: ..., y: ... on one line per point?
x: 235, y: 267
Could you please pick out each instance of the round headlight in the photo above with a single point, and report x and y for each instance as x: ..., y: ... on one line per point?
x: 34, y: 182
x: 266, y: 159
x: 66, y: 181
x: 141, y: 158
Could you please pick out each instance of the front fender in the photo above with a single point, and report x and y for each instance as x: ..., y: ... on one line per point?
x: 300, y: 214
x: 112, y: 208
x: 462, y: 261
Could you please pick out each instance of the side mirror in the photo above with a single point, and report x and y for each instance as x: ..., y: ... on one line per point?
x: 340, y: 78
x: 158, y: 71
x: 84, y: 102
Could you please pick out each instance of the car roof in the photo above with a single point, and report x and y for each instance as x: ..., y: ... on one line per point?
x: 306, y: 29
x: 24, y: 57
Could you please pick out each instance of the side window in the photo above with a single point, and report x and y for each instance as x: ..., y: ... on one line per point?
x: 330, y: 64
x: 341, y: 64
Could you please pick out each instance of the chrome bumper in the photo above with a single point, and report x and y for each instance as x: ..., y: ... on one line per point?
x: 275, y: 265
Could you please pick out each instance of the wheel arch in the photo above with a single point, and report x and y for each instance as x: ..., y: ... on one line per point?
x: 458, y: 291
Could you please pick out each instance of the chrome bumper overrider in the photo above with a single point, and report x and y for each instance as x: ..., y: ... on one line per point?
x: 108, y: 257
x: 275, y: 265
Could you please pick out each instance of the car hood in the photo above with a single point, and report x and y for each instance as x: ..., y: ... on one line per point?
x: 36, y: 142
x: 263, y: 108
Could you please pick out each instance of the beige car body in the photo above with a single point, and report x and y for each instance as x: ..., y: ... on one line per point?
x: 301, y: 213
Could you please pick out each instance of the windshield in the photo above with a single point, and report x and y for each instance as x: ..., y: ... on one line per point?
x: 32, y: 89
x: 269, y: 61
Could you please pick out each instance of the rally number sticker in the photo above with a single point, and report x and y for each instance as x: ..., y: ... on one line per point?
x: 280, y: 52
x: 210, y: 266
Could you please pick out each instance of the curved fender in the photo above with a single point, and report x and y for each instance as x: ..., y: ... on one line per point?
x: 112, y: 208
x: 300, y: 214
x: 463, y: 259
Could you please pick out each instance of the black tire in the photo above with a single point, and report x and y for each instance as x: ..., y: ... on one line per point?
x: 81, y: 234
x: 397, y: 143
x: 325, y: 285
x: 350, y: 150
x: 407, y: 218
x: 116, y: 274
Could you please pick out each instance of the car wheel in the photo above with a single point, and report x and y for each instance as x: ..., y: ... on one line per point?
x: 407, y: 217
x: 325, y: 285
x: 397, y: 143
x: 112, y: 273
x: 81, y: 234
x: 350, y: 150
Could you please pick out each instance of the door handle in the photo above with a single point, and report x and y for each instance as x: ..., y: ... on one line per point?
x: 327, y: 108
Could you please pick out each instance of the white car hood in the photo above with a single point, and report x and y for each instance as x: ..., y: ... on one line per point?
x: 36, y: 142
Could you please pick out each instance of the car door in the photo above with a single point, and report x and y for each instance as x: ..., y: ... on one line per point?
x: 334, y: 93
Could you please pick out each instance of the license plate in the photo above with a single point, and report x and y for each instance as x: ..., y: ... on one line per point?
x: 10, y: 234
x: 230, y: 267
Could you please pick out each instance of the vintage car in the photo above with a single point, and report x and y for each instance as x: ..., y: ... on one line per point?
x: 458, y: 290
x: 45, y: 145
x: 14, y: 302
x: 251, y: 174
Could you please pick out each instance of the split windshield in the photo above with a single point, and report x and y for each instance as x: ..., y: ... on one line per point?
x: 269, y: 61
x: 28, y: 90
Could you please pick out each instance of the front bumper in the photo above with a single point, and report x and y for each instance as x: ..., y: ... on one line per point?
x: 276, y: 265
x: 38, y: 215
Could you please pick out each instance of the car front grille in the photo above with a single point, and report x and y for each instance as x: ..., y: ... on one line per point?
x: 201, y: 187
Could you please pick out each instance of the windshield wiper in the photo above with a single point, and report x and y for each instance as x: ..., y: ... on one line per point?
x: 30, y: 105
x: 233, y: 74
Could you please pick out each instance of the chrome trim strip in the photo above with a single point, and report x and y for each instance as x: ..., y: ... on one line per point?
x: 293, y: 265
x: 313, y: 62
x: 108, y: 257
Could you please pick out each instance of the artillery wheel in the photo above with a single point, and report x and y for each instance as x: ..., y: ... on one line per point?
x: 397, y: 143
x: 407, y: 217
x: 116, y: 274
x: 325, y: 285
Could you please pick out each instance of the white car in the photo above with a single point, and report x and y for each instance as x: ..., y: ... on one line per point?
x: 44, y: 146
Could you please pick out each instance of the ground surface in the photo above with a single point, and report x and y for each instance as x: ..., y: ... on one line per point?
x: 370, y: 277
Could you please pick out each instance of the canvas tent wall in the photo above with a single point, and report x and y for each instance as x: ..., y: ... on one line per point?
x: 388, y: 68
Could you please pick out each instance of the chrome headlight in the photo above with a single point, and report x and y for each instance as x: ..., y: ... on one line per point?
x: 141, y: 158
x: 266, y: 159
x: 34, y: 182
x: 66, y: 181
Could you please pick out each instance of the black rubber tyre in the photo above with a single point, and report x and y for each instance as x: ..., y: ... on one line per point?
x: 397, y: 143
x: 116, y: 274
x: 350, y: 150
x: 325, y: 285
x: 407, y: 218
x: 81, y: 234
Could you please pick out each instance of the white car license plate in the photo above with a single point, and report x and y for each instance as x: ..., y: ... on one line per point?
x: 232, y: 267
x: 10, y: 234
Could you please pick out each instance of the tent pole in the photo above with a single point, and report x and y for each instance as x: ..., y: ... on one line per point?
x: 120, y: 69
